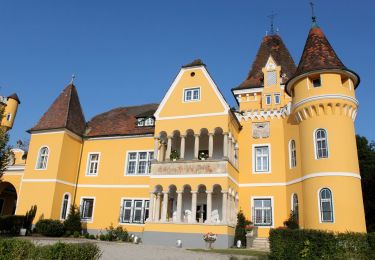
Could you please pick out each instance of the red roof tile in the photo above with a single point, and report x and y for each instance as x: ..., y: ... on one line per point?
x: 65, y: 112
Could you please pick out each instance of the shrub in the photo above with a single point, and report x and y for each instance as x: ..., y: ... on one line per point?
x: 76, y: 234
x: 316, y: 244
x: 11, y: 224
x: 118, y: 233
x: 67, y: 233
x: 92, y: 236
x: 240, y: 232
x: 87, y: 235
x: 29, y: 218
x: 50, y: 227
x: 16, y: 249
x: 73, y: 221
x: 292, y: 221
x: 102, y: 237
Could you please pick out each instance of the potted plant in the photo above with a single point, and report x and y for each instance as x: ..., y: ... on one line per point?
x: 202, y: 155
x: 209, y: 238
x: 174, y: 155
x: 250, y: 229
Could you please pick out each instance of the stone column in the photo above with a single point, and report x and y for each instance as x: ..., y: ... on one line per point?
x: 165, y: 207
x: 210, y: 145
x: 169, y: 148
x: 182, y: 147
x: 196, y: 146
x: 179, y: 205
x: 209, y: 206
x: 162, y: 152
x: 224, y: 207
x: 230, y: 148
x: 193, y: 206
x: 151, y: 208
x: 236, y: 154
x: 156, y: 148
x: 225, y: 145
x: 157, y: 209
x: 229, y: 213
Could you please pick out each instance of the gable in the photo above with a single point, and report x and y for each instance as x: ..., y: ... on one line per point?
x: 211, y: 101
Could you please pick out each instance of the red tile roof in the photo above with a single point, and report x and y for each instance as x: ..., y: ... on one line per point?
x: 271, y: 45
x: 120, y: 121
x: 65, y: 112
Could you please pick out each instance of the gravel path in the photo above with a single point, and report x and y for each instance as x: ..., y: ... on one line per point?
x: 117, y: 251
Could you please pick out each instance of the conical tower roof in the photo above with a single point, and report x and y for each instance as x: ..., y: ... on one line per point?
x: 65, y: 112
x: 272, y: 45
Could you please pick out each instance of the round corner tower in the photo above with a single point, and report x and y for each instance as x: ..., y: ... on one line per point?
x: 325, y: 107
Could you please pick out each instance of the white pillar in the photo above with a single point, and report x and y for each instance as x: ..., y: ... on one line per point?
x: 162, y: 152
x: 157, y: 209
x: 182, y: 147
x: 210, y: 145
x: 209, y: 206
x: 196, y: 146
x: 151, y: 208
x: 179, y: 205
x: 165, y: 207
x: 225, y: 145
x: 224, y: 207
x: 230, y: 148
x: 193, y: 206
x: 169, y: 148
x: 230, y: 208
x: 156, y: 148
x: 236, y: 154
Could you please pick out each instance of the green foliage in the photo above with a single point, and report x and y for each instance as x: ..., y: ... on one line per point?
x: 292, y: 221
x: 5, y: 151
x: 114, y: 234
x: 73, y: 221
x: 102, y: 237
x: 50, y: 227
x: 316, y: 244
x: 240, y: 232
x: 174, y: 155
x: 366, y: 158
x: 92, y: 236
x: 76, y: 234
x: 19, y: 249
x: 29, y: 218
x: 11, y: 224
x: 87, y: 235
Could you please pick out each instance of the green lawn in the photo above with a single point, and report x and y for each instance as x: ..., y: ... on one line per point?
x: 234, y: 251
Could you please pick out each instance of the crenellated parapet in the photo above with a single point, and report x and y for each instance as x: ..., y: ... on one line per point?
x: 261, y: 114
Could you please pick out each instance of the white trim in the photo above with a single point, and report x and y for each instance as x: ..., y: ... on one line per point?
x: 193, y: 116
x: 265, y: 98
x: 309, y: 176
x: 174, y: 84
x: 88, y: 162
x: 192, y: 100
x: 246, y: 91
x: 38, y: 155
x: 68, y: 206
x: 274, y: 98
x: 93, y: 209
x: 291, y: 201
x: 17, y: 150
x: 272, y: 209
x: 332, y: 204
x: 327, y: 144
x: 49, y: 181
x: 63, y: 130
x: 327, y: 96
x: 290, y: 153
x: 131, y: 212
x: 119, y: 137
x: 121, y: 186
x: 136, y: 166
x: 184, y: 176
x: 14, y: 170
x: 269, y: 158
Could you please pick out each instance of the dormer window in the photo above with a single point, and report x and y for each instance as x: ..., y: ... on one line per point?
x: 316, y: 82
x: 142, y: 121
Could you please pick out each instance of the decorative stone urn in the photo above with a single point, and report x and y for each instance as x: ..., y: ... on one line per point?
x: 250, y: 237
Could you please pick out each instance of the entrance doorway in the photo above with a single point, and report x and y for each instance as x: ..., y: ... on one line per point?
x: 201, y: 213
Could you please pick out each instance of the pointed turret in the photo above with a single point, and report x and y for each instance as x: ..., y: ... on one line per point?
x: 15, y: 97
x: 65, y: 112
x: 272, y: 45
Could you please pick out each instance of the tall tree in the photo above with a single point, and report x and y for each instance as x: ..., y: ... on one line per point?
x: 5, y: 151
x: 366, y: 157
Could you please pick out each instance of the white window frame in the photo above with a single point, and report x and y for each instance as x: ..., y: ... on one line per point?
x: 254, y: 146
x: 292, y: 201
x: 39, y: 157
x: 148, y: 164
x: 67, y: 207
x: 315, y: 144
x: 87, y: 220
x: 131, y: 221
x: 185, y: 90
x: 277, y: 95
x: 266, y: 99
x: 272, y: 210
x: 149, y: 121
x: 292, y: 156
x: 140, y: 121
x: 88, y: 164
x: 320, y: 207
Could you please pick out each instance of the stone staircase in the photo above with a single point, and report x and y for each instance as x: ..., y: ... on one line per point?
x: 261, y: 244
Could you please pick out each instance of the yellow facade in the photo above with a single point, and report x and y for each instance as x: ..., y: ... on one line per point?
x: 275, y: 154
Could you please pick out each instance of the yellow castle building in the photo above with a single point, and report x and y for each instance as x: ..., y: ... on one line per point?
x: 186, y: 166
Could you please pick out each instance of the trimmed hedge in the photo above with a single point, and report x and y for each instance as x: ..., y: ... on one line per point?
x: 316, y: 244
x: 11, y: 224
x: 50, y: 227
x: 18, y: 249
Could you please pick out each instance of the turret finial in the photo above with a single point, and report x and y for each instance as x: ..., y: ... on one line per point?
x: 272, y: 20
x: 313, y: 17
x: 72, y: 79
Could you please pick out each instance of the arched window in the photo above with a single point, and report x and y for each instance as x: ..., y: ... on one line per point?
x: 321, y: 143
x: 65, y: 206
x: 42, y: 158
x: 295, y: 206
x: 326, y: 205
x: 292, y: 154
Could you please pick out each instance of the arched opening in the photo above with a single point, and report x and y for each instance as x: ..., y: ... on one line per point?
x: 189, y: 145
x: 172, y: 203
x: 186, y: 204
x: 201, y: 214
x: 8, y: 199
x: 176, y: 143
x: 203, y: 144
x: 162, y: 146
x: 217, y: 204
x: 218, y: 144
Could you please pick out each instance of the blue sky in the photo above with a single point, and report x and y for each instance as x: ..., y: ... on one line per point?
x: 128, y: 52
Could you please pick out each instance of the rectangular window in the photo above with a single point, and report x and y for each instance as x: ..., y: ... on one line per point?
x: 92, y: 164
x: 277, y: 98
x: 192, y: 94
x: 261, y: 158
x: 87, y: 208
x: 316, y: 82
x: 268, y: 100
x: 140, y: 121
x: 149, y: 122
x: 139, y: 163
x: 134, y: 211
x: 262, y: 212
